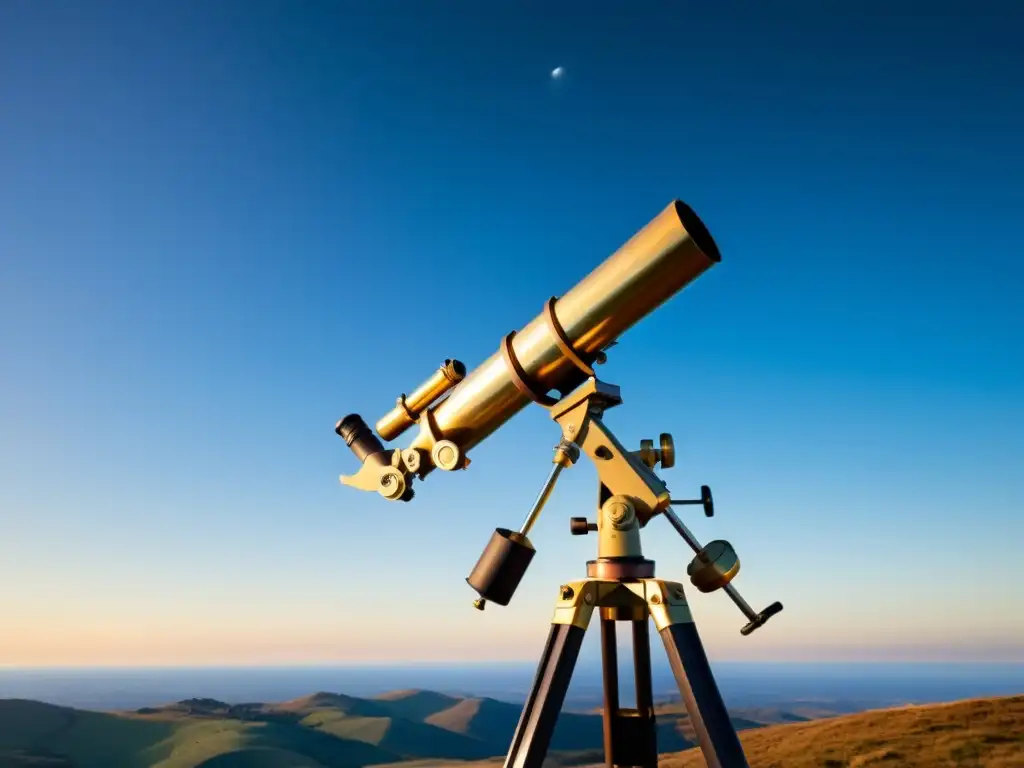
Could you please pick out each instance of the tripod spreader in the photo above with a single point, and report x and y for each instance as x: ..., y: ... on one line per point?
x: 715, y: 566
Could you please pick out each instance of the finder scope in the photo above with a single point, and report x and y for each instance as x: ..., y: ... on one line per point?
x: 543, y: 361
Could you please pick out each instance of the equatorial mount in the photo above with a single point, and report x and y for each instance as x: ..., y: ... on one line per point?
x: 509, y: 553
x: 621, y: 585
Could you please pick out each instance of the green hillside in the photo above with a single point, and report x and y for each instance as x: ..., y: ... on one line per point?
x: 41, y: 734
x: 322, y: 729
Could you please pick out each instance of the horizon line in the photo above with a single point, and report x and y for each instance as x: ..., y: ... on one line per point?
x: 532, y: 663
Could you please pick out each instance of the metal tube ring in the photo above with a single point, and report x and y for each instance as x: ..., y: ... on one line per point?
x: 561, y: 339
x: 519, y: 376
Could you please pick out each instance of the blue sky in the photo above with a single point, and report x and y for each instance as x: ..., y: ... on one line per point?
x: 223, y: 226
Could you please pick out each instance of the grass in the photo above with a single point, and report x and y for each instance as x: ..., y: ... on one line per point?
x: 88, y: 738
x: 982, y: 733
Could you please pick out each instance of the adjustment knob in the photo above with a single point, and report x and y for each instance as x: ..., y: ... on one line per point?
x: 705, y: 501
x: 667, y: 451
x: 446, y: 455
x: 578, y: 526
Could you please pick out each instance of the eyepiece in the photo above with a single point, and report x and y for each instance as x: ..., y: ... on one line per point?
x: 349, y: 427
x: 357, y: 436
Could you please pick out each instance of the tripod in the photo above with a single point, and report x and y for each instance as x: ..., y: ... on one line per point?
x: 620, y: 584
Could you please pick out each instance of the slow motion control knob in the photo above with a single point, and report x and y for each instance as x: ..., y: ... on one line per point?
x: 579, y: 526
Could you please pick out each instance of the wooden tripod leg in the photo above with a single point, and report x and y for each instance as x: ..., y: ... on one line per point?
x: 610, y: 673
x: 540, y: 714
x: 715, y: 732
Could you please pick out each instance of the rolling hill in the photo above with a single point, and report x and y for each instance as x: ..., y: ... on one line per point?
x: 42, y: 734
x: 323, y: 729
x: 417, y: 729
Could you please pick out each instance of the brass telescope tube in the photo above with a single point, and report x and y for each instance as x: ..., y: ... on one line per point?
x: 671, y: 251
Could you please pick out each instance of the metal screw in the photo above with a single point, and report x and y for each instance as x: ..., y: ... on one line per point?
x: 567, y: 592
x: 655, y: 599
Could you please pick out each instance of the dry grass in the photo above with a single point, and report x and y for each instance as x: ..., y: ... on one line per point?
x: 983, y: 733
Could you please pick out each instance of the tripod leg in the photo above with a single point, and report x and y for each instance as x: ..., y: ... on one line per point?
x: 610, y: 670
x: 643, y: 742
x: 629, y: 735
x: 635, y: 739
x: 642, y: 667
x: 718, y: 740
x: 537, y: 723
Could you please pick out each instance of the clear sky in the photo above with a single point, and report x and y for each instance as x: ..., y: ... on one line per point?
x: 224, y: 225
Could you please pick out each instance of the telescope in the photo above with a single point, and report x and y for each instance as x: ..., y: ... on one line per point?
x: 551, y: 362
